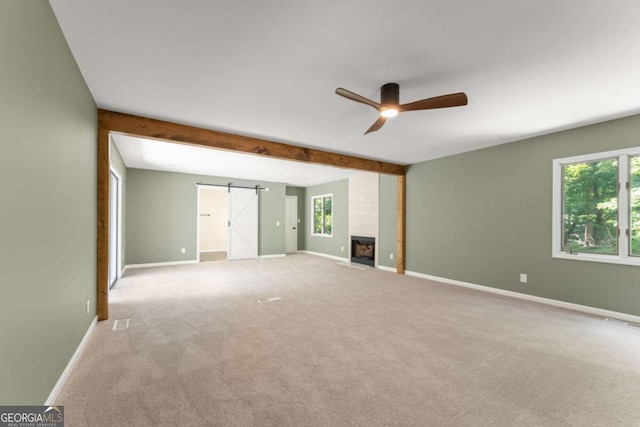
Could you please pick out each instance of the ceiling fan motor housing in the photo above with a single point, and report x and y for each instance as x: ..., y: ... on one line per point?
x: 390, y: 94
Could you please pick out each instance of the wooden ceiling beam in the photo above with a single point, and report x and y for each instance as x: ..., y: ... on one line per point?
x: 191, y: 135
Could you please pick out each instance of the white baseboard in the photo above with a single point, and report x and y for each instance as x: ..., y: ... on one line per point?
x: 548, y: 301
x: 53, y: 396
x: 337, y: 258
x: 385, y: 268
x: 273, y: 256
x: 160, y: 264
x: 213, y: 250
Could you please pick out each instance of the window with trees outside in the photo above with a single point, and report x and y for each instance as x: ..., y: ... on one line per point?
x: 596, y: 207
x: 322, y: 208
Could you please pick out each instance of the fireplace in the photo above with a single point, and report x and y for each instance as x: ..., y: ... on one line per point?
x: 363, y: 250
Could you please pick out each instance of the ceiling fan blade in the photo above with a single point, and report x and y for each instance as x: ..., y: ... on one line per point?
x: 377, y: 125
x: 444, y: 101
x: 355, y: 97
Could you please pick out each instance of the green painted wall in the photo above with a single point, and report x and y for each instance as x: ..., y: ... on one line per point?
x: 485, y: 217
x: 161, y: 215
x: 116, y: 162
x: 302, y: 208
x: 340, y: 238
x: 48, y: 185
x: 388, y: 220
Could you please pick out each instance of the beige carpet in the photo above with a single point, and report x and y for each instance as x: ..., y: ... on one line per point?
x: 344, y: 347
x: 213, y: 256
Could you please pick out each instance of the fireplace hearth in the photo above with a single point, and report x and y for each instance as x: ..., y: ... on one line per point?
x: 363, y: 250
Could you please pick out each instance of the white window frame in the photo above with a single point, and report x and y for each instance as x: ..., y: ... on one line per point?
x: 623, y: 256
x: 313, y: 228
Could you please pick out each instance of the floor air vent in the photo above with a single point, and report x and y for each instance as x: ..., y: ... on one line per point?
x: 621, y: 322
x: 269, y: 299
x: 120, y: 324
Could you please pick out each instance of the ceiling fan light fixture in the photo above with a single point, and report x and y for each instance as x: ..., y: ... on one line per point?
x: 389, y: 112
x: 390, y: 106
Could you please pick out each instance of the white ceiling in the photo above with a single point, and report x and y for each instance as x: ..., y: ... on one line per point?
x: 269, y: 69
x: 158, y: 155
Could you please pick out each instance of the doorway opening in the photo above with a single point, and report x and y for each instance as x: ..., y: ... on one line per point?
x: 115, y: 228
x: 213, y: 239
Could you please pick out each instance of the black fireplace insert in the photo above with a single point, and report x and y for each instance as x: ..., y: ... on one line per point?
x: 363, y: 250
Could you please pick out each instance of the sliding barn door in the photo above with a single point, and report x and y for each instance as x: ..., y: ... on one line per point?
x: 243, y: 224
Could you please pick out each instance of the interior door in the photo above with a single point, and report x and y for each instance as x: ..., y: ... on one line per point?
x: 243, y: 223
x: 291, y: 224
x: 114, y: 210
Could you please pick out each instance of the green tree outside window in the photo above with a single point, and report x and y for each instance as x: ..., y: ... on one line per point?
x: 590, y: 207
x: 322, y: 214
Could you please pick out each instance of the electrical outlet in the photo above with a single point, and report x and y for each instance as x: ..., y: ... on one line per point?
x: 341, y: 248
x: 523, y: 278
x: 183, y: 250
x: 88, y: 306
x: 277, y: 223
x: 390, y: 256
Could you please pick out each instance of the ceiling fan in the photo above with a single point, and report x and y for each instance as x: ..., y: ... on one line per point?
x: 390, y: 106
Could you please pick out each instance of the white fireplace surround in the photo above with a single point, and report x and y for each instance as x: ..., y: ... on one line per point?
x: 363, y: 207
